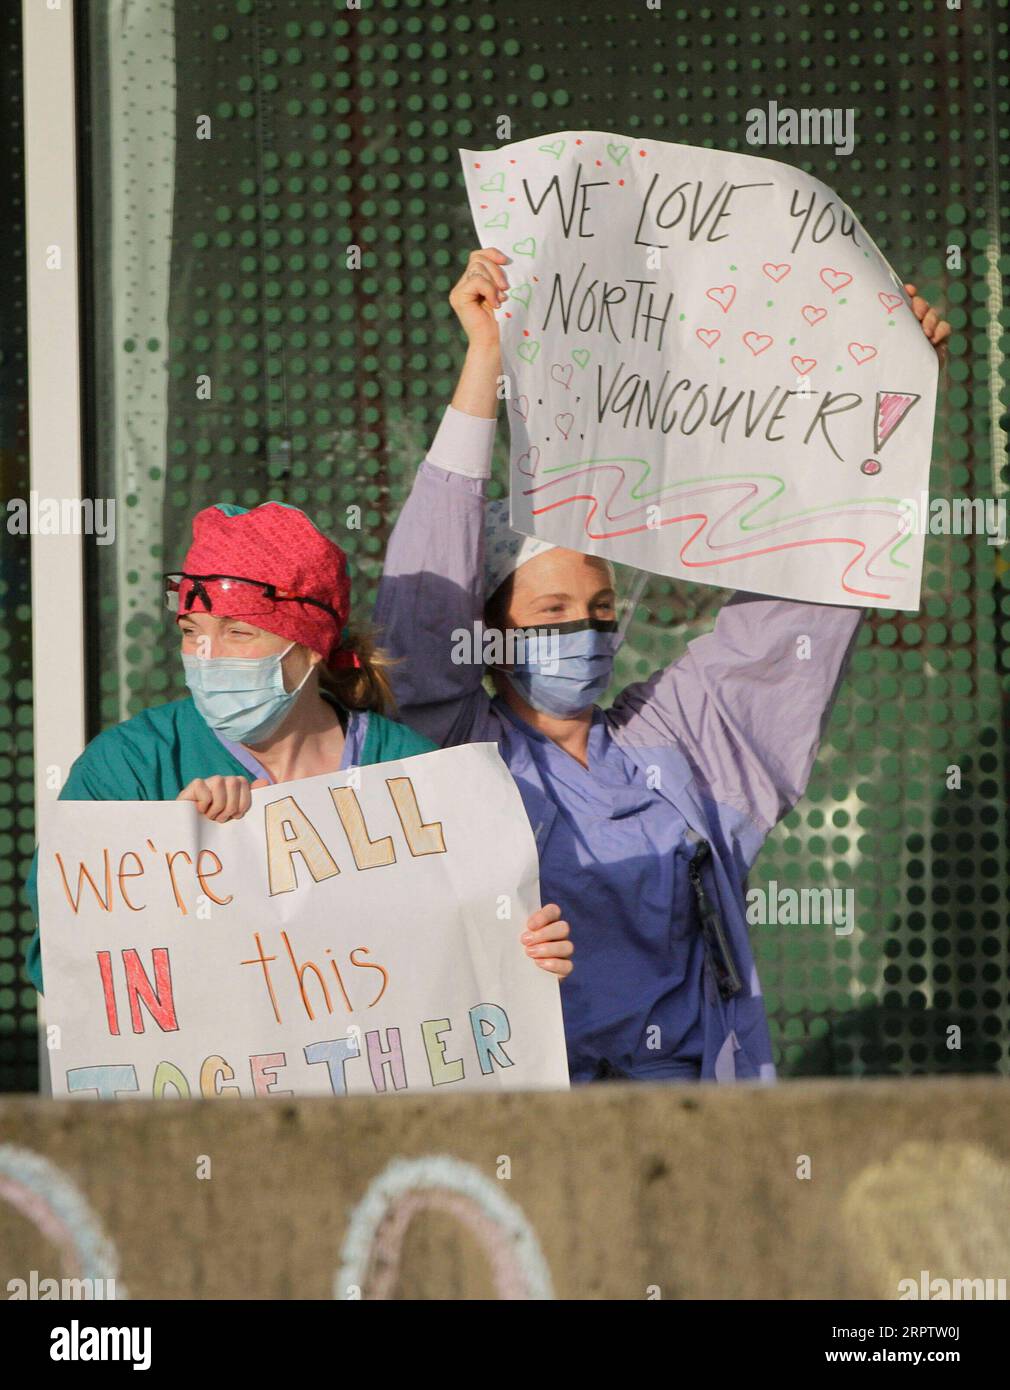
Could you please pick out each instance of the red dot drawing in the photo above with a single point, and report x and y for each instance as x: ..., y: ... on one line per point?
x: 871, y: 467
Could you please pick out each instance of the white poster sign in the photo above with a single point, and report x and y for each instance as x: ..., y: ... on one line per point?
x: 714, y: 372
x: 356, y: 932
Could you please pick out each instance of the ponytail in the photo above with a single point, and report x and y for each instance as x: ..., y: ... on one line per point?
x: 364, y: 687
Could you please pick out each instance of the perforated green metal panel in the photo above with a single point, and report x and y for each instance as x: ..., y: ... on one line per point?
x: 331, y: 128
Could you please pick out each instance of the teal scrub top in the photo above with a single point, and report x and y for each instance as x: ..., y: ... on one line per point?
x: 158, y: 752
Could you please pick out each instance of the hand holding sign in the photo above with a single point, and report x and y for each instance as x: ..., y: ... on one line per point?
x: 714, y: 372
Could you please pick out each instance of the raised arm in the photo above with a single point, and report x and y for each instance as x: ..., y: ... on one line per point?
x: 748, y: 702
x: 432, y: 586
x: 431, y: 596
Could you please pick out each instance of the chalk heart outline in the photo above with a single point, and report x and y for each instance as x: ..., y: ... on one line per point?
x: 890, y: 301
x: 762, y: 338
x: 495, y: 184
x: 521, y: 294
x: 723, y: 295
x: 501, y: 219
x: 581, y: 356
x: 708, y: 336
x: 557, y: 149
x: 532, y: 454
x: 526, y: 247
x: 521, y: 406
x: 565, y: 423
x: 835, y: 279
x: 803, y: 365
x: 529, y: 352
x: 563, y: 375
x: 862, y: 352
x: 776, y: 272
x: 618, y: 153
x: 813, y: 314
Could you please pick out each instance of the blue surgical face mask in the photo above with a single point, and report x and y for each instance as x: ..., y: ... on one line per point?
x: 241, y: 697
x: 566, y: 668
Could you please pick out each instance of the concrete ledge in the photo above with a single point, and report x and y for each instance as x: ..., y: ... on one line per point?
x: 614, y: 1191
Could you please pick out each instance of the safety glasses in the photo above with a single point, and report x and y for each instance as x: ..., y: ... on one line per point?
x: 230, y: 582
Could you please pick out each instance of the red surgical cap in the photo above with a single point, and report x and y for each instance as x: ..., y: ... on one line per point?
x: 275, y: 544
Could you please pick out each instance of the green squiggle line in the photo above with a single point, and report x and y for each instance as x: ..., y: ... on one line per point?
x: 728, y: 477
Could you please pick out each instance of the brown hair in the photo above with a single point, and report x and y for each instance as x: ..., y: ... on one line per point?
x: 364, y: 687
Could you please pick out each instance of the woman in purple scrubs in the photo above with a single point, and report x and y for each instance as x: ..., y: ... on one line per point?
x: 647, y: 815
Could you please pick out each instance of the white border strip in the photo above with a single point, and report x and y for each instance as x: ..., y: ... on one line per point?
x: 54, y: 403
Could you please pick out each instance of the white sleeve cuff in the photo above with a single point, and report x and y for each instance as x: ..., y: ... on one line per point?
x: 463, y: 444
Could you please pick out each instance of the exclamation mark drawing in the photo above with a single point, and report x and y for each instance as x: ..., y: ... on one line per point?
x: 892, y: 408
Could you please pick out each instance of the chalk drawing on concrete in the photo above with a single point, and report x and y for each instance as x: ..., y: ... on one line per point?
x: 377, y: 1227
x: 42, y: 1193
x: 931, y: 1205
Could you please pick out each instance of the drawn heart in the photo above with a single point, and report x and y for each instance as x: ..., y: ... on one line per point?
x: 557, y: 149
x: 835, y: 279
x: 563, y: 375
x: 502, y: 220
x: 580, y: 356
x: 861, y: 352
x: 495, y: 184
x: 803, y: 365
x: 617, y: 153
x: 521, y: 406
x: 752, y: 340
x: 529, y: 352
x: 532, y: 457
x: 776, y: 272
x: 709, y: 336
x: 812, y: 314
x: 521, y: 294
x: 565, y: 422
x: 527, y: 247
x: 890, y: 301
x: 723, y: 295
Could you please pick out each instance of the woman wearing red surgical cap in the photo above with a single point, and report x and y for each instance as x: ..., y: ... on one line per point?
x: 280, y: 688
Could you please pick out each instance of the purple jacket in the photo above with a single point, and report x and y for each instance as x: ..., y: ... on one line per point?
x: 732, y: 728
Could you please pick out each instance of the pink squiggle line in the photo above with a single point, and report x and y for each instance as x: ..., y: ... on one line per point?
x: 750, y: 490
x: 704, y: 564
x: 388, y: 1245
